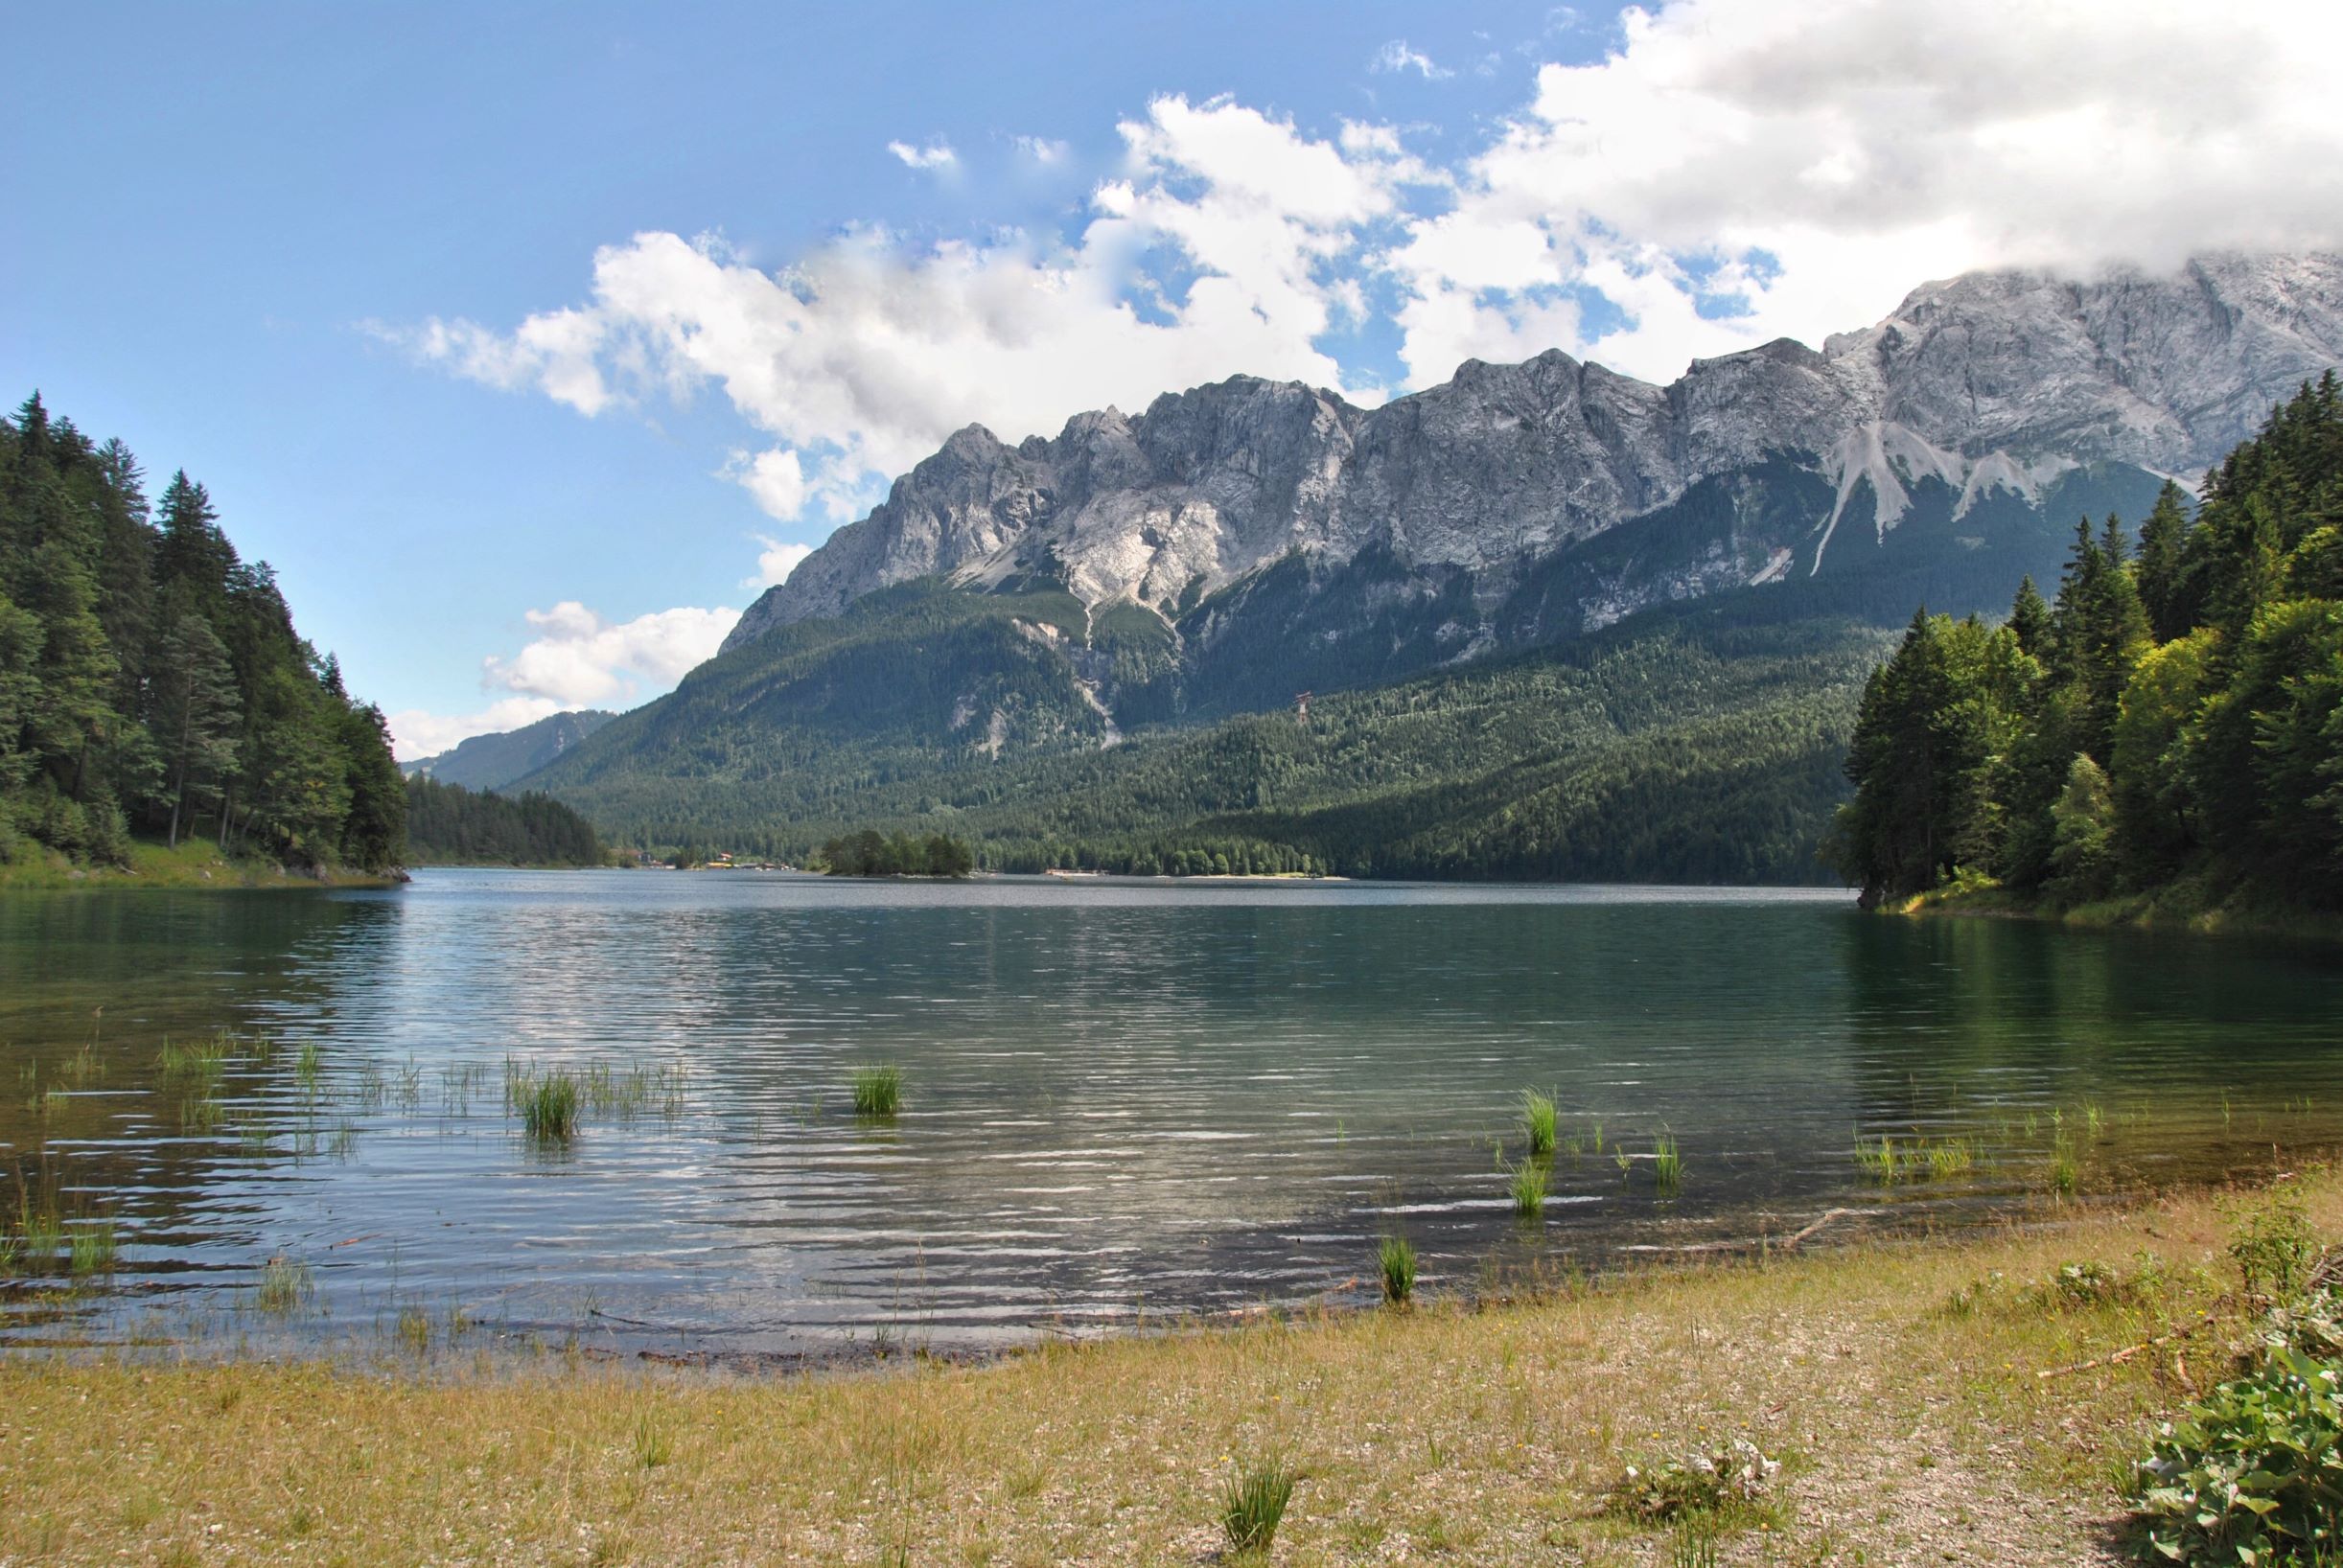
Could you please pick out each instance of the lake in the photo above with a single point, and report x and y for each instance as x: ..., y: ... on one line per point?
x: 1123, y: 1102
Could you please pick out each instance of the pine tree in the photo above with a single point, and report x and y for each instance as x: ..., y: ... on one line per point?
x: 2161, y: 573
x: 196, y: 714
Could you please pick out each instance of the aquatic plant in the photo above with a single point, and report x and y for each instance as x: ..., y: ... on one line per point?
x: 285, y: 1287
x: 1254, y: 1506
x: 203, y: 1060
x: 1668, y: 1164
x: 1529, y: 1189
x: 309, y: 1066
x: 549, y: 1106
x: 1396, y: 1259
x: 92, y: 1248
x: 1951, y: 1157
x: 878, y: 1091
x: 1537, y: 1120
x: 2064, y: 1173
x: 1884, y: 1164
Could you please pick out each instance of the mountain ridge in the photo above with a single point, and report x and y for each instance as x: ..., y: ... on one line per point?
x: 1984, y: 382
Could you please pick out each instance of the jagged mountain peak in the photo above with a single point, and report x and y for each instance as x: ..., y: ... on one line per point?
x: 1990, y: 382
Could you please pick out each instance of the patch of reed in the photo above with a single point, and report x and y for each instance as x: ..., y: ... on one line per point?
x: 285, y: 1287
x: 1538, y: 1119
x: 1528, y: 1189
x: 878, y: 1091
x: 92, y: 1249
x: 1668, y: 1164
x: 1395, y: 1261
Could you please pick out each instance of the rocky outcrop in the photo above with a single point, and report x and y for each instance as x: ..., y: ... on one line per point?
x: 1987, y: 384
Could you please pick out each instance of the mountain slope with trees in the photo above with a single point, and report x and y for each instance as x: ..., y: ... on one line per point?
x: 151, y: 680
x: 1698, y: 745
x: 2171, y: 725
x: 448, y: 824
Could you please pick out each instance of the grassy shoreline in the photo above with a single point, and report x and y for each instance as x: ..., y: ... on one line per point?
x: 196, y: 863
x: 1898, y: 1382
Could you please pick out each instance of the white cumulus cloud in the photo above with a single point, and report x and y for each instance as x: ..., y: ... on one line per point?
x: 1740, y: 170
x: 866, y: 355
x: 934, y: 155
x: 576, y: 659
x: 1731, y: 171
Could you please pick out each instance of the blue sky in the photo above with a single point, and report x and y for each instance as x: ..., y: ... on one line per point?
x: 525, y: 340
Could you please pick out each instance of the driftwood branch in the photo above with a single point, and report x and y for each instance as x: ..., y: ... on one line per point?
x: 1828, y: 1215
x: 2124, y: 1354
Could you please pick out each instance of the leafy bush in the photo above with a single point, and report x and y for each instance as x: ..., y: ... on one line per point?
x: 2253, y: 1474
x: 2275, y: 1249
x: 1709, y: 1482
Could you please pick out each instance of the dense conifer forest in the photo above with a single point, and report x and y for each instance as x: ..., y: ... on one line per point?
x: 871, y: 853
x: 151, y: 680
x: 2174, y: 719
x: 450, y: 826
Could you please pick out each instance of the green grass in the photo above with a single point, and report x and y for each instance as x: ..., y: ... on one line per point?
x: 1668, y: 1164
x: 92, y: 1248
x: 1889, y: 1162
x: 878, y: 1091
x: 1528, y: 1189
x: 548, y: 1102
x: 285, y: 1287
x: 1537, y: 1120
x: 2064, y: 1173
x: 1254, y: 1506
x: 1395, y: 1261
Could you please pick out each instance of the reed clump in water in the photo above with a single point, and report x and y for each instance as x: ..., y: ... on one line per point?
x: 548, y: 1102
x: 1668, y: 1164
x: 1528, y: 1187
x: 878, y: 1091
x: 1396, y: 1262
x: 285, y: 1287
x: 1538, y: 1118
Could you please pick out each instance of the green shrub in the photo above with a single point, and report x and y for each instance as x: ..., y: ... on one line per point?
x: 2275, y: 1249
x: 2251, y: 1474
x: 1254, y: 1506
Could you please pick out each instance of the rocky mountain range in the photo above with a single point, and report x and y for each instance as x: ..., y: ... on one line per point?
x: 1557, y: 622
x: 1520, y: 502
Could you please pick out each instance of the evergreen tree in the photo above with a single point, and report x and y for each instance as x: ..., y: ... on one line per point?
x: 2161, y: 575
x: 196, y: 717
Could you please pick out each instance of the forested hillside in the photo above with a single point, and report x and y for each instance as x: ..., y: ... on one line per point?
x: 491, y: 762
x: 1682, y: 746
x: 2176, y: 717
x: 151, y: 679
x: 448, y: 824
